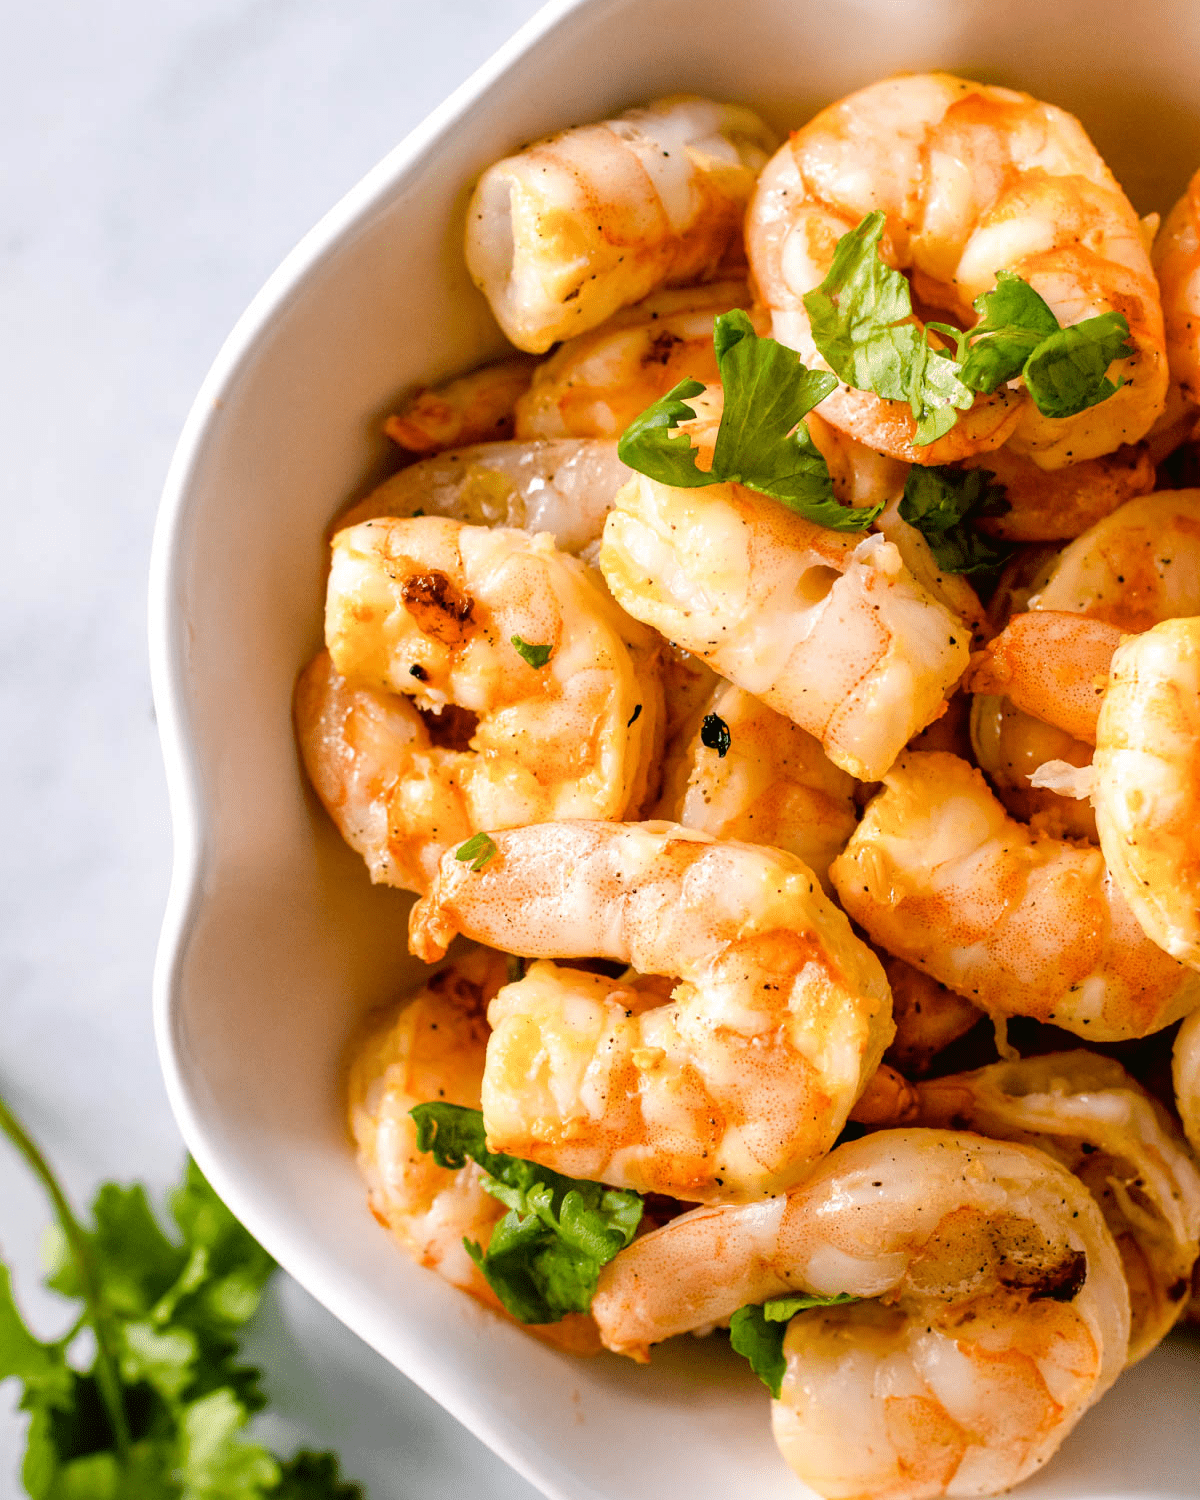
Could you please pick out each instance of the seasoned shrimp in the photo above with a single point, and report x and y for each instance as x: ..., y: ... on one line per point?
x: 433, y: 610
x: 566, y: 488
x: 1185, y: 1070
x: 1177, y: 261
x: 585, y: 222
x: 994, y: 1310
x: 753, y: 775
x: 1009, y: 747
x: 1052, y: 665
x: 1138, y: 566
x: 1091, y: 1116
x: 928, y: 1018
x: 596, y: 384
x: 475, y: 408
x: 833, y: 632
x: 433, y: 1048
x: 973, y: 180
x: 1058, y: 504
x: 1021, y: 924
x: 1147, y: 787
x: 727, y: 1091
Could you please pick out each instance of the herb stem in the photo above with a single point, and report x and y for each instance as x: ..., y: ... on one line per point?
x: 107, y: 1381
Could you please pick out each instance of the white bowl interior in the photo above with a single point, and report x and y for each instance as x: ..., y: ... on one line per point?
x: 275, y: 943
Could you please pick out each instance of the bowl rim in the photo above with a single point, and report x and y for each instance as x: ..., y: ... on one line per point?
x: 191, y: 816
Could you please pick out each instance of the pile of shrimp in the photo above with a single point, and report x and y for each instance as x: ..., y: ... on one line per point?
x: 801, y: 876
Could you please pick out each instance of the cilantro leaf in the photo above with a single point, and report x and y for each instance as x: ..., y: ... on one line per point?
x: 160, y: 1414
x: 861, y: 320
x: 535, y: 656
x: 651, y: 445
x: 314, y: 1476
x: 479, y: 848
x: 941, y: 503
x: 762, y: 441
x: 757, y: 1332
x: 1013, y: 321
x: 545, y: 1254
x: 1067, y: 372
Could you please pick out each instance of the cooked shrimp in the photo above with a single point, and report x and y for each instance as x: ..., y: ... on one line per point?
x: 1057, y: 504
x: 994, y: 1310
x: 1009, y: 747
x: 1091, y: 1116
x: 1052, y: 665
x: 596, y: 384
x: 888, y: 1099
x: 433, y: 609
x: 973, y: 180
x: 566, y: 488
x: 728, y: 1091
x: 1177, y: 261
x: 475, y: 408
x: 1020, y: 923
x: 831, y: 631
x: 1138, y: 566
x: 754, y: 776
x: 575, y: 226
x: 1185, y: 1069
x: 433, y: 1048
x: 1147, y: 787
x: 928, y: 1018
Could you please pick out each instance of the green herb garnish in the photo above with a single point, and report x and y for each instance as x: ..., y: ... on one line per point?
x: 862, y: 322
x: 714, y: 735
x: 545, y: 1254
x: 942, y: 503
x: 159, y: 1412
x: 479, y: 848
x: 757, y: 1332
x: 536, y: 656
x: 762, y: 441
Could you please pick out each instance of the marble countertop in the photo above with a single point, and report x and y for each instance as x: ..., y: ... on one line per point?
x: 160, y: 157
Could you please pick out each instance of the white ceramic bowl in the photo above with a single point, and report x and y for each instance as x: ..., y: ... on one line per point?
x: 274, y: 942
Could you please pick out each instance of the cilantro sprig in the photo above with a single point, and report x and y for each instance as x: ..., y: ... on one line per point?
x: 159, y: 1412
x: 478, y: 849
x: 757, y: 1332
x: 545, y: 1254
x: 862, y: 322
x: 942, y: 503
x: 762, y: 441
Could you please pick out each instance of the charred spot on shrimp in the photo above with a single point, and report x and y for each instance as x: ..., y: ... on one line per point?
x: 438, y: 607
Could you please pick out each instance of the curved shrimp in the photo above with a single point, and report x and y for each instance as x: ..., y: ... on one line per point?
x: 474, y: 408
x: 596, y: 384
x: 1052, y: 665
x: 1136, y: 567
x: 1050, y: 505
x: 1185, y: 1073
x: 730, y: 1089
x: 754, y: 776
x: 830, y: 631
x: 928, y: 1017
x: 994, y: 1310
x: 1177, y: 261
x: 434, y: 610
x: 1147, y: 783
x: 566, y: 488
x: 1009, y: 746
x: 1093, y: 1118
x: 1022, y: 924
x: 582, y: 223
x: 433, y: 1047
x: 973, y: 180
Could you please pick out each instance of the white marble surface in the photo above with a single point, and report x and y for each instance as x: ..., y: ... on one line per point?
x: 159, y: 158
